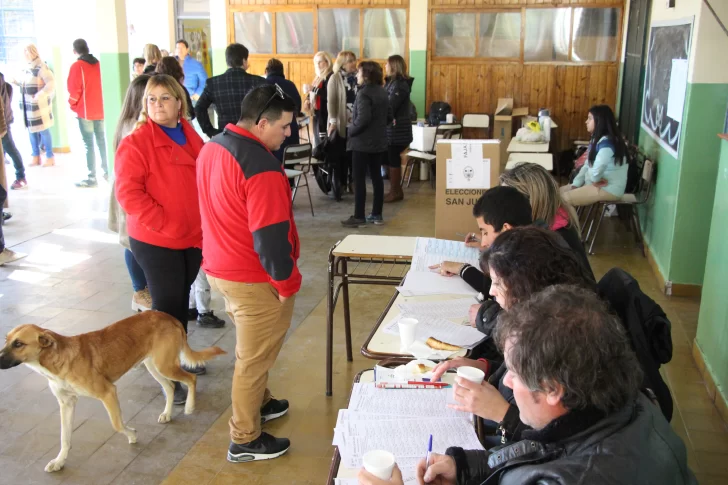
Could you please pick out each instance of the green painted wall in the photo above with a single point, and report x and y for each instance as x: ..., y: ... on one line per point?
x: 712, y: 335
x: 676, y: 222
x: 114, y: 82
x: 418, y: 70
x: 59, y: 130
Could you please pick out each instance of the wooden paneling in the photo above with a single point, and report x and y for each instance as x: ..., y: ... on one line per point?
x: 296, y: 69
x: 514, y: 3
x: 320, y: 3
x: 568, y: 90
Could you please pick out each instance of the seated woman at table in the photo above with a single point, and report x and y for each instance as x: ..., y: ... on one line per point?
x: 604, y: 177
x: 521, y: 262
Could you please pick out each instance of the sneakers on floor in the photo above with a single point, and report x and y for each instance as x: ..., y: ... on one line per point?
x: 141, y: 301
x: 87, y: 184
x: 7, y: 216
x: 199, y: 370
x: 376, y: 220
x: 265, y: 447
x: 8, y: 256
x: 19, y: 184
x: 209, y: 320
x: 192, y: 314
x: 180, y: 394
x: 274, y: 409
x: 353, y: 222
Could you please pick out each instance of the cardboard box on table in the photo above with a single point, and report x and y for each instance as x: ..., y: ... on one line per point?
x: 454, y: 206
x: 503, y: 125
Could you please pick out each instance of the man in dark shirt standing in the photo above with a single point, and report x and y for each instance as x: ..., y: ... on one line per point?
x: 227, y: 91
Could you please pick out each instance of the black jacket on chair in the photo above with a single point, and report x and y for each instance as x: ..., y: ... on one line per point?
x: 368, y: 129
x: 399, y: 133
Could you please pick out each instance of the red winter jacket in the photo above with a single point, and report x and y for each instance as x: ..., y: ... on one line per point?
x: 156, y: 186
x: 247, y: 217
x: 84, y: 88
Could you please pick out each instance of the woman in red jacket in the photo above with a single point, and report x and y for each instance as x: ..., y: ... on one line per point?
x: 156, y: 185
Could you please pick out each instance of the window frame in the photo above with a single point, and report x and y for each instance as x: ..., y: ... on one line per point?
x: 478, y: 10
x: 274, y: 9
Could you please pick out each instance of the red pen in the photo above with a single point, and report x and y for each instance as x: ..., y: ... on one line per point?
x: 412, y: 385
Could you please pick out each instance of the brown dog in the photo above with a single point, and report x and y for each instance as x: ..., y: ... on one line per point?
x: 90, y: 363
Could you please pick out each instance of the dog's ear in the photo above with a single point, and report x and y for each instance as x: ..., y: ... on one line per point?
x: 45, y: 340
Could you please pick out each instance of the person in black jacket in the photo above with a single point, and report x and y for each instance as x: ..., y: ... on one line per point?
x: 227, y: 91
x: 367, y: 139
x: 576, y: 381
x: 274, y: 75
x: 399, y: 133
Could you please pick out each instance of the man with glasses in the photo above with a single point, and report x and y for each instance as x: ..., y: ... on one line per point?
x: 226, y: 91
x: 250, y: 256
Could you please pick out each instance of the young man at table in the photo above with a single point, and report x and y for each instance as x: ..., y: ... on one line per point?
x: 250, y: 256
x: 576, y: 382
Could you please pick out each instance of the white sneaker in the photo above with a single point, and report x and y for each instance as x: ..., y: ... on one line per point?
x: 8, y: 256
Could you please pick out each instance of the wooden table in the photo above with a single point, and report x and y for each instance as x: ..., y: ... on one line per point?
x: 381, y: 345
x: 516, y: 146
x: 374, y: 260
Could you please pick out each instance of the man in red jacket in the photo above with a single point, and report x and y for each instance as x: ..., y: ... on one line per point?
x: 84, y: 96
x: 249, y: 253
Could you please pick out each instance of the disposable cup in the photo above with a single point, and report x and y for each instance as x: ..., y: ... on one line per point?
x: 407, y: 330
x: 379, y: 463
x: 306, y: 88
x: 473, y: 374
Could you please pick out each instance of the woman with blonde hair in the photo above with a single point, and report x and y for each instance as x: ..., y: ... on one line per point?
x: 152, y: 56
x: 547, y: 204
x: 156, y: 185
x: 37, y: 88
x: 341, y: 98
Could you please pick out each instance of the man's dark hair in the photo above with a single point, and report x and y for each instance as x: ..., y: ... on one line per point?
x: 254, y: 105
x: 236, y: 55
x: 565, y: 335
x: 274, y: 66
x: 80, y: 46
x: 371, y: 72
x: 139, y: 60
x: 182, y: 41
x: 501, y: 205
x: 530, y: 259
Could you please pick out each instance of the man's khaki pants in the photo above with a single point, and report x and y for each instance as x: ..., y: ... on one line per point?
x: 586, y: 195
x: 261, y: 323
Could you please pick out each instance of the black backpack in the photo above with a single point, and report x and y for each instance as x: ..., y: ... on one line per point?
x: 412, y: 111
x: 438, y: 112
x: 633, y: 170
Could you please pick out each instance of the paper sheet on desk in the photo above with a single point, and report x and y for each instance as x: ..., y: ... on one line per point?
x: 430, y: 283
x: 366, y: 398
x: 430, y: 251
x: 462, y: 335
x: 448, y: 309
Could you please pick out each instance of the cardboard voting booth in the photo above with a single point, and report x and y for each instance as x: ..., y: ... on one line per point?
x: 465, y: 169
x: 503, y: 124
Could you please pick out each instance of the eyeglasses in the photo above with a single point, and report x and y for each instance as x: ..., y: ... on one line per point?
x: 279, y: 93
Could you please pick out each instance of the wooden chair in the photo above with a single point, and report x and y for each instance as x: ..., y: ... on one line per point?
x: 443, y: 132
x: 299, y: 156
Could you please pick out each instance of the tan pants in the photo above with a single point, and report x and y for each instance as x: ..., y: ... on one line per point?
x: 261, y: 323
x: 586, y: 195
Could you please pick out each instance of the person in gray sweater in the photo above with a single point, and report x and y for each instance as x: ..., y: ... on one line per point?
x: 367, y: 139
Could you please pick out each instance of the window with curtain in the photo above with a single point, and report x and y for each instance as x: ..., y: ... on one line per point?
x: 294, y: 32
x: 500, y: 34
x: 595, y: 34
x: 455, y: 34
x: 338, y: 30
x: 547, y: 34
x: 384, y: 33
x: 254, y: 31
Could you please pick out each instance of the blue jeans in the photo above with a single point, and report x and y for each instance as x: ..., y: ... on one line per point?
x: 89, y: 128
x: 35, y: 139
x: 12, y: 151
x: 136, y: 273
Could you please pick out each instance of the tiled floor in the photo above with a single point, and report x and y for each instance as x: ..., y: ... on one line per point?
x: 75, y: 281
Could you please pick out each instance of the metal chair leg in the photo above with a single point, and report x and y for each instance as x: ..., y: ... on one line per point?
x: 310, y: 202
x: 638, y: 229
x: 599, y: 223
x: 412, y: 169
x: 431, y: 167
x: 585, y: 237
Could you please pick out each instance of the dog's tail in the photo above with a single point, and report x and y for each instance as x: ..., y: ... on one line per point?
x: 192, y: 358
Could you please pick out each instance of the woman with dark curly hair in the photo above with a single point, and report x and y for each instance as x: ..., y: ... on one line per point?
x: 170, y: 66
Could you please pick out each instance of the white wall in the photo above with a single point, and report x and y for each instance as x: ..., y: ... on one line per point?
x: 150, y: 22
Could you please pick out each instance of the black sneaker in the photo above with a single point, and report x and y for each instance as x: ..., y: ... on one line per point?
x: 192, y: 314
x: 273, y: 410
x: 209, y: 320
x: 7, y: 216
x: 180, y: 394
x: 266, y: 447
x: 376, y: 220
x: 354, y: 222
x: 199, y: 370
x: 89, y: 183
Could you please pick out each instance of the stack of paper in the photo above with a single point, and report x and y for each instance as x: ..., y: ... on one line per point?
x: 401, y: 422
x: 460, y: 334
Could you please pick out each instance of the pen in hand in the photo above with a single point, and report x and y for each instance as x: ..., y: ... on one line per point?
x: 429, y: 450
x: 470, y: 237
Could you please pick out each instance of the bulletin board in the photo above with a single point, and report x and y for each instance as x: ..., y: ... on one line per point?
x: 666, y: 79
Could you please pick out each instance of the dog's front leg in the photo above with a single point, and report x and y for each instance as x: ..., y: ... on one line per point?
x: 111, y: 403
x: 67, y: 403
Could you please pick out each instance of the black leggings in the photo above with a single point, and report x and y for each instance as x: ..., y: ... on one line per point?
x: 372, y: 162
x: 393, y: 154
x: 170, y: 273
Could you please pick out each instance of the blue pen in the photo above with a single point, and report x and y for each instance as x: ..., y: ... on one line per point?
x: 429, y: 450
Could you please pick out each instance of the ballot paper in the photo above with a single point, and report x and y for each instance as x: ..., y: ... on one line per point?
x: 430, y: 251
x: 366, y: 398
x: 418, y: 283
x: 459, y: 334
x: 405, y: 373
x: 456, y: 310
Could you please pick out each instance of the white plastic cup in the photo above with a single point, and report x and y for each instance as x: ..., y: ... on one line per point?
x: 449, y: 118
x: 306, y: 88
x: 473, y: 374
x: 407, y: 330
x: 379, y: 463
